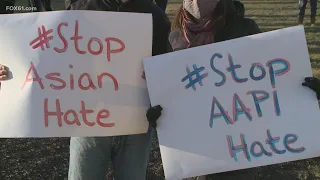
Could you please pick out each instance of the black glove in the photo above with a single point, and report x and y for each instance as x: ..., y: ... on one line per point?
x: 153, y: 115
x: 312, y: 83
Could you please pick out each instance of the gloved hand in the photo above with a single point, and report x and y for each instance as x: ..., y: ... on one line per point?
x: 153, y: 115
x: 312, y: 83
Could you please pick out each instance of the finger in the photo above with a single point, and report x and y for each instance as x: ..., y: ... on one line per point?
x: 3, y: 77
x: 304, y: 84
x: 309, y: 85
x: 3, y: 72
x: 158, y: 107
x: 312, y: 79
x: 309, y: 79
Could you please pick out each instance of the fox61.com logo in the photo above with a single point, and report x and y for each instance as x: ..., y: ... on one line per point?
x: 20, y: 8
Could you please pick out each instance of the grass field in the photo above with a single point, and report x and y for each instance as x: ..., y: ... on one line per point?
x: 47, y: 159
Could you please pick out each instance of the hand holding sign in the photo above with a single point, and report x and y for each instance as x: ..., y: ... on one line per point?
x: 153, y: 115
x: 3, y: 72
x: 312, y: 83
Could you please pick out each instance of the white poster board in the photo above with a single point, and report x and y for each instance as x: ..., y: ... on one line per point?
x: 195, y: 139
x: 89, y: 70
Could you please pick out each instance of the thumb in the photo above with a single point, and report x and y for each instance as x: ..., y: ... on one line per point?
x: 158, y: 107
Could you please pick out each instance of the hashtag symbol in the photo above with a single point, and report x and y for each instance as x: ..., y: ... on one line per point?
x: 42, y: 38
x: 198, y: 78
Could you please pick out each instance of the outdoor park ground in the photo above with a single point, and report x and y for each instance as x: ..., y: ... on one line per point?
x: 47, y: 159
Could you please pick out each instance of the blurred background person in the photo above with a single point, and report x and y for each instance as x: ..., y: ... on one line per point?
x: 38, y: 4
x: 162, y: 4
x: 302, y: 9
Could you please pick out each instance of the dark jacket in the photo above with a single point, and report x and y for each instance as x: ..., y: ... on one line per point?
x: 236, y: 26
x: 161, y: 24
x: 4, y: 4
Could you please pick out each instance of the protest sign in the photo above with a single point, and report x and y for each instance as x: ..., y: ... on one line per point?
x: 74, y: 73
x: 235, y: 104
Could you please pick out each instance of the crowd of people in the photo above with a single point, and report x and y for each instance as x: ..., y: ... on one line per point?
x: 198, y: 22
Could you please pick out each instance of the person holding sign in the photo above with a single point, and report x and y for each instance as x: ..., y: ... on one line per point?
x: 201, y: 22
x: 314, y: 84
x: 129, y: 154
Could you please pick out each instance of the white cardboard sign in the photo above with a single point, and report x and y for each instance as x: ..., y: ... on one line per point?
x: 74, y: 73
x: 235, y: 104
